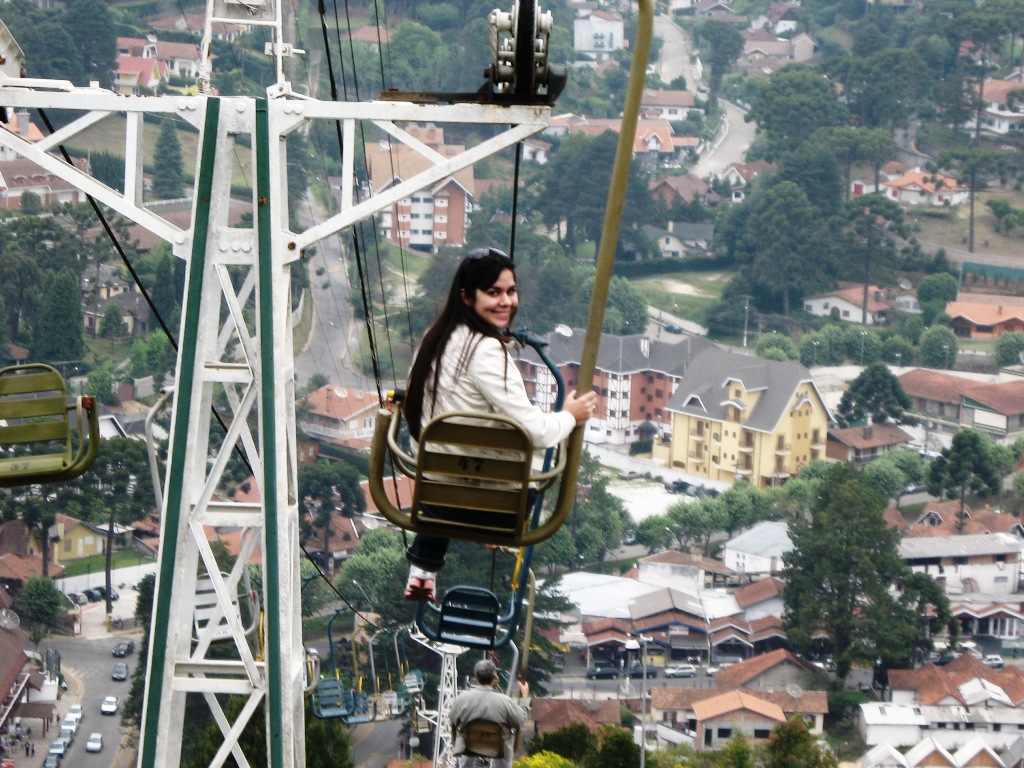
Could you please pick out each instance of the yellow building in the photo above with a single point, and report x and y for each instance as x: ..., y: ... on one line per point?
x: 736, y: 416
x: 75, y: 538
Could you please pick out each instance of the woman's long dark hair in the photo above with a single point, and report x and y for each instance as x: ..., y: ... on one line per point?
x: 478, y: 271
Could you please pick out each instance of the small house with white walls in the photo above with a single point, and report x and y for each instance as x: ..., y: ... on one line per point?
x: 762, y: 549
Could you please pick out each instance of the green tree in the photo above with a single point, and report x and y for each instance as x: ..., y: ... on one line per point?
x: 724, y: 46
x: 770, y: 342
x: 31, y: 203
x: 938, y: 347
x: 1009, y: 347
x: 791, y: 745
x: 966, y: 466
x: 941, y: 286
x: 796, y: 102
x: 168, y: 167
x: 100, y: 384
x: 319, y: 483
x: 781, y: 236
x: 615, y: 747
x: 113, y: 326
x: 844, y: 592
x: 875, y: 393
x: 974, y: 165
x: 738, y: 753
x: 164, y: 295
x: 57, y: 335
x: 571, y: 742
x: 108, y: 168
x: 91, y: 24
x: 544, y: 760
x: 39, y: 601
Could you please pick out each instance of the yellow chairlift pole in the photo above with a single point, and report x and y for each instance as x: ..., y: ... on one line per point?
x: 612, y: 222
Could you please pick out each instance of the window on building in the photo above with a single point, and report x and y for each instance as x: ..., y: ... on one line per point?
x: 725, y: 733
x: 762, y: 733
x: 441, y: 202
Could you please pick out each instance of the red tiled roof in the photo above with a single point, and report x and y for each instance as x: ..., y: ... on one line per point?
x: 21, y: 567
x: 674, y: 557
x: 756, y: 591
x: 683, y: 699
x: 553, y: 714
x: 935, y: 385
x: 745, y: 671
x: 875, y: 436
x: 985, y: 520
x: 731, y: 701
x: 340, y: 403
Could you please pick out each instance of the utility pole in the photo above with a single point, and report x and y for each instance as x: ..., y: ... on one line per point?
x: 746, y: 317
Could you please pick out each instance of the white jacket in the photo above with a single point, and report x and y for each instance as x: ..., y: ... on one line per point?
x: 485, y: 379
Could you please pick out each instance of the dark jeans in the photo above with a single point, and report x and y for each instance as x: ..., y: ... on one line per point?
x: 427, y: 552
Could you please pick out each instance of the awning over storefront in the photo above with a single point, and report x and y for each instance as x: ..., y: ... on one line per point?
x: 43, y: 710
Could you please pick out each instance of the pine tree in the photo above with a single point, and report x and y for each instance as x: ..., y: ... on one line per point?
x: 168, y: 169
x: 57, y: 335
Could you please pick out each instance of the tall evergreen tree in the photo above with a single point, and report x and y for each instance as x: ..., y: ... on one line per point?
x: 168, y: 168
x: 91, y: 24
x: 875, y: 393
x: 57, y: 335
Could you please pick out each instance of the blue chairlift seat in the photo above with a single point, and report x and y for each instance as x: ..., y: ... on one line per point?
x: 467, y: 616
x: 361, y: 711
x: 332, y: 698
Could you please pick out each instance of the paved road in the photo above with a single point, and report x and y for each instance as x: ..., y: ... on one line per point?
x: 334, y: 335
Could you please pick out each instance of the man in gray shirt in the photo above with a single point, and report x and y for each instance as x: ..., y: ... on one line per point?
x: 486, y: 703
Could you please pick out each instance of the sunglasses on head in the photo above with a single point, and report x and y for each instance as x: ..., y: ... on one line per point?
x: 482, y: 253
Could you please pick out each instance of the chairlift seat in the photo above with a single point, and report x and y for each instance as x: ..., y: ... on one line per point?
x: 332, y: 698
x: 473, y: 479
x: 35, y: 416
x: 469, y: 617
x: 483, y: 738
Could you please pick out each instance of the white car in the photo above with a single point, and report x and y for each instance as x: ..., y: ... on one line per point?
x: 95, y: 742
x: 681, y: 670
x: 109, y: 705
x: 70, y: 723
x: 74, y: 711
x: 59, y: 747
x: 993, y: 660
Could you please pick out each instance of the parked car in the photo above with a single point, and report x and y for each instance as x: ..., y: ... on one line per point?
x: 681, y: 670
x: 76, y: 598
x: 92, y: 595
x: 95, y: 742
x: 630, y: 475
x: 993, y: 660
x: 913, y: 488
x: 673, y: 328
x: 677, y: 486
x: 120, y: 671
x: 68, y: 734
x: 75, y: 711
x: 124, y: 648
x: 51, y: 761
x: 102, y: 590
x: 70, y: 723
x: 712, y: 671
x: 638, y: 671
x: 603, y: 672
x: 109, y: 705
x: 58, y: 747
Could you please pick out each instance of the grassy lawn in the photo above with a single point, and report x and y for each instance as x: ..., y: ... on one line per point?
x: 685, y: 294
x: 97, y: 563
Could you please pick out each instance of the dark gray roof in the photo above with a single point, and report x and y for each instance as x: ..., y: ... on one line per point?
x: 624, y: 354
x: 704, y: 391
x: 694, y: 231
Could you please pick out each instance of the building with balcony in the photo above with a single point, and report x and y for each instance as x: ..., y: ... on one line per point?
x: 734, y: 416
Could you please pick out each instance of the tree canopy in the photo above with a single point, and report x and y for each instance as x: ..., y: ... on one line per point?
x: 875, y: 393
x: 838, y: 600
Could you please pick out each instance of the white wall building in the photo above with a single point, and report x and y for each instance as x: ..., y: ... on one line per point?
x: 759, y: 550
x: 987, y: 563
x: 598, y: 34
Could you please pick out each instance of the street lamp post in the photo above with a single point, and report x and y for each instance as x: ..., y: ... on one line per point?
x: 863, y: 337
x: 945, y: 348
x: 632, y: 645
x: 814, y: 353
